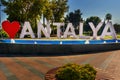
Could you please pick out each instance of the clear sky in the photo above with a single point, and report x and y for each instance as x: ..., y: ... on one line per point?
x: 93, y: 8
x: 97, y: 8
x: 3, y: 15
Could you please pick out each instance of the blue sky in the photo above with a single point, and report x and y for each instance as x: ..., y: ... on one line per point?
x: 94, y: 8
x: 97, y: 8
x: 3, y: 15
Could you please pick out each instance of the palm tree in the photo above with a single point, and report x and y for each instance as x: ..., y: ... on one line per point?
x: 108, y: 17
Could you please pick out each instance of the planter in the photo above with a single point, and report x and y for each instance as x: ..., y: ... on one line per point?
x: 101, y: 75
x: 55, y: 47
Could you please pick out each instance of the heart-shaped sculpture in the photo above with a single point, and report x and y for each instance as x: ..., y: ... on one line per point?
x: 11, y: 28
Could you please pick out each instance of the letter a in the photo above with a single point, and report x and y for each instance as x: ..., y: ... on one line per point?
x: 110, y: 33
x: 68, y: 32
x: 27, y: 30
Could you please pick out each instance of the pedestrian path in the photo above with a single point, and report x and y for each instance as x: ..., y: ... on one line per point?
x: 34, y: 68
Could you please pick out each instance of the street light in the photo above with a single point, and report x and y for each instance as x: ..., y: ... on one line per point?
x: 0, y: 13
x: 0, y: 19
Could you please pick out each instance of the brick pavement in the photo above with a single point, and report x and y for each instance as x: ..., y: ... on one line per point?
x: 34, y: 68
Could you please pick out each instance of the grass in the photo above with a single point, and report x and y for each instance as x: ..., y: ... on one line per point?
x: 118, y: 36
x: 70, y: 38
x: 110, y: 37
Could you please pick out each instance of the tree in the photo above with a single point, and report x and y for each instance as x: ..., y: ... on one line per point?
x: 94, y: 19
x: 59, y: 7
x: 24, y: 10
x: 108, y: 17
x: 3, y: 34
x: 47, y: 11
x: 32, y: 10
x: 74, y: 18
x: 117, y: 28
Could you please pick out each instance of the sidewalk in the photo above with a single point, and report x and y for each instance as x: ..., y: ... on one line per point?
x: 34, y: 68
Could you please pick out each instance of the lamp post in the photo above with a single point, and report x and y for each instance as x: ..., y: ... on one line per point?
x: 0, y: 13
x: 0, y: 20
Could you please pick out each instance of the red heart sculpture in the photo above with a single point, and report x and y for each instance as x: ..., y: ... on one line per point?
x: 11, y: 28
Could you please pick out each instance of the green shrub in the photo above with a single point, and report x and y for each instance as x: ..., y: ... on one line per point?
x: 73, y: 71
x: 3, y: 34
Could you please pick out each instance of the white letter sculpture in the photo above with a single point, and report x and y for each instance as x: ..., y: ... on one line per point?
x: 48, y: 28
x: 95, y: 29
x: 105, y: 32
x: 42, y: 29
x: 69, y: 31
x: 58, y: 28
x: 27, y: 30
x: 81, y: 32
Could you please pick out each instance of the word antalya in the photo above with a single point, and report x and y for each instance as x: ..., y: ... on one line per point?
x: 108, y: 30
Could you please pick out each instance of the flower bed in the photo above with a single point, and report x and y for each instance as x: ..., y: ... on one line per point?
x: 101, y: 74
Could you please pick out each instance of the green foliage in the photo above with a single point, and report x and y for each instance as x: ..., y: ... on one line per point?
x: 117, y: 28
x: 94, y: 19
x: 24, y: 10
x: 59, y: 7
x: 73, y: 71
x: 74, y: 17
x: 32, y: 10
x: 118, y: 36
x: 3, y: 34
x: 108, y: 16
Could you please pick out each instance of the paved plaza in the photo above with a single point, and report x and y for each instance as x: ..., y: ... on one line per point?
x: 34, y: 68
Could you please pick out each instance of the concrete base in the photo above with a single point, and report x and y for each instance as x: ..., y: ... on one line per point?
x: 7, y: 48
